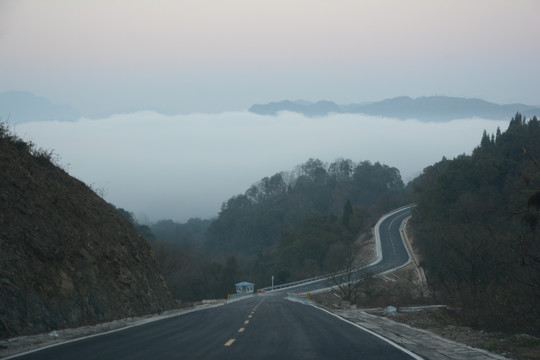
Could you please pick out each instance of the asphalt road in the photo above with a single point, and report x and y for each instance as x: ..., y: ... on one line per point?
x: 393, y: 249
x: 394, y: 253
x: 260, y: 327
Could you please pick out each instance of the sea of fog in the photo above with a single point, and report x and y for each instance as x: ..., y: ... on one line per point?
x: 183, y: 166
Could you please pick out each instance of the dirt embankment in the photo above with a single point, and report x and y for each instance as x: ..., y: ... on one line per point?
x: 67, y: 258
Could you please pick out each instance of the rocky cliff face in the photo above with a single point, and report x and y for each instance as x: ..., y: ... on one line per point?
x: 67, y: 257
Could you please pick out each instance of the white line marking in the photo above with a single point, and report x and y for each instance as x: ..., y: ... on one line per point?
x: 370, y: 332
x: 142, y: 322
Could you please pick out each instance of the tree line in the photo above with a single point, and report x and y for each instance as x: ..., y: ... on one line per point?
x: 290, y: 225
x: 475, y: 225
x: 255, y: 221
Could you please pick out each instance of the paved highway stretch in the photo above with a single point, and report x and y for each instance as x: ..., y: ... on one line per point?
x: 393, y: 253
x: 260, y: 327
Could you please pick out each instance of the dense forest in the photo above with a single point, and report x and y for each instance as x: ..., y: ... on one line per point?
x: 255, y: 221
x: 476, y: 226
x: 291, y: 225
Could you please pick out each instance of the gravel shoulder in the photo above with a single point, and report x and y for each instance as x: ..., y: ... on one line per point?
x: 443, y: 323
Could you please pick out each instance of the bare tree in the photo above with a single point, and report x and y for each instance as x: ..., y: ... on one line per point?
x: 347, y: 281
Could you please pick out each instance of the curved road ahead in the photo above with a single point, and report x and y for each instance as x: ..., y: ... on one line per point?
x: 259, y: 327
x: 392, y: 251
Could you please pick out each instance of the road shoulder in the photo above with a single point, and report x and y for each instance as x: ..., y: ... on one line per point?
x: 16, y: 346
x: 419, y: 341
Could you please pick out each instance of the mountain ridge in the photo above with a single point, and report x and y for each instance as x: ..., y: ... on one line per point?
x: 18, y: 107
x: 427, y: 108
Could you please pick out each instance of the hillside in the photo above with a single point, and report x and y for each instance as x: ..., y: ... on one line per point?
x: 67, y: 258
x: 476, y: 226
x: 256, y: 220
x: 429, y: 109
x: 292, y: 225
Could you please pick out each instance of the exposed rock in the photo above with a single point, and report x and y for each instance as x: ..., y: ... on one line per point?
x: 67, y: 257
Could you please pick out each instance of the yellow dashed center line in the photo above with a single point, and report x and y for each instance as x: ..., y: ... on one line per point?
x: 229, y: 343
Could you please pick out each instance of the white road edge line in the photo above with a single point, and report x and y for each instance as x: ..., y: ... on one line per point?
x: 399, y: 347
x: 142, y: 322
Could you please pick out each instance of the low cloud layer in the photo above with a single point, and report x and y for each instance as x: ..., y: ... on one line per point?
x: 178, y: 167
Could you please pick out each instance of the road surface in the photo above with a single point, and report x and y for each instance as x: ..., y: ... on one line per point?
x: 260, y: 327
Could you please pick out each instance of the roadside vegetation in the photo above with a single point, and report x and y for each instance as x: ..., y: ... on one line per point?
x: 475, y: 226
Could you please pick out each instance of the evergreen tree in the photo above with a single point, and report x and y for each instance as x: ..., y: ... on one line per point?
x: 347, y: 213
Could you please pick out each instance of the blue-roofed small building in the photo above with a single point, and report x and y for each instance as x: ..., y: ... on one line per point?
x: 245, y: 287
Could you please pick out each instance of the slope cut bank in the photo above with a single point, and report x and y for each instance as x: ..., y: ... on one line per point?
x: 67, y: 258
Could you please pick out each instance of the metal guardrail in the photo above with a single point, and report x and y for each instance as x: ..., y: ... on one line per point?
x: 329, y: 276
x: 294, y: 283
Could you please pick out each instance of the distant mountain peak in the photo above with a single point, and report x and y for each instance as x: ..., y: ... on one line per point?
x: 320, y: 108
x: 425, y: 108
x: 23, y: 106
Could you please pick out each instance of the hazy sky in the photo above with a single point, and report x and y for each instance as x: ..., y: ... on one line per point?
x: 180, y: 56
x: 211, y: 59
x: 177, y: 167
